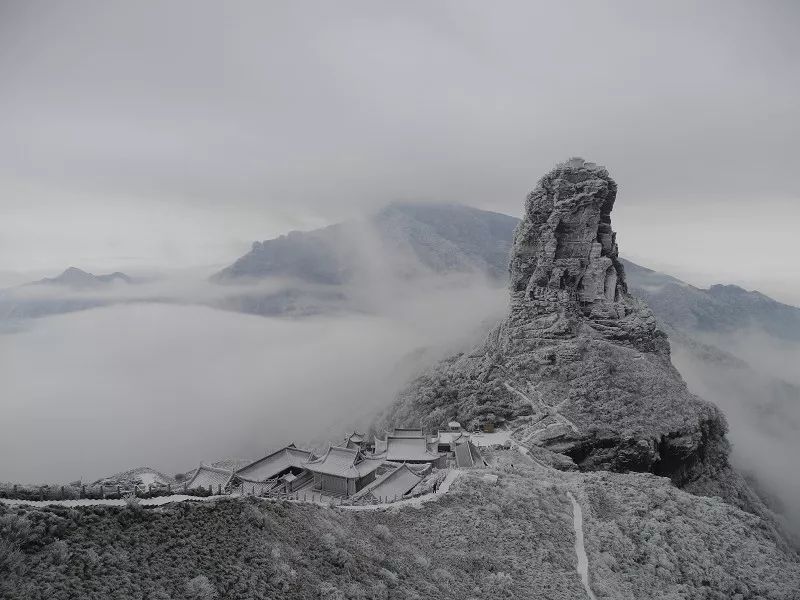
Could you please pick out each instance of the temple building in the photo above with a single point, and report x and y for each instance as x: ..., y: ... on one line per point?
x: 354, y: 441
x: 409, y: 445
x: 467, y: 455
x: 343, y: 471
x: 210, y: 478
x: 446, y: 440
x: 412, y: 450
x: 282, y: 470
x: 393, y: 485
x: 402, y: 432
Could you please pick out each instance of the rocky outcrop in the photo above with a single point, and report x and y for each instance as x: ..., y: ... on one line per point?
x: 579, y: 364
x: 565, y: 271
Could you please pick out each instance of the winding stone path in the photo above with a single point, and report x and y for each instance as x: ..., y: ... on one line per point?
x: 543, y: 407
x: 157, y: 501
x: 415, y: 502
x: 580, y: 550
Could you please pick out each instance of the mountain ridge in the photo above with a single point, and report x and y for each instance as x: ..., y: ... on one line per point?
x: 642, y: 279
x: 442, y: 237
x: 579, y: 366
x: 37, y: 298
x: 74, y: 277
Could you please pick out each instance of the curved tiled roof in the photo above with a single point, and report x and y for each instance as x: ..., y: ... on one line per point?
x: 464, y: 456
x: 396, y: 483
x: 343, y: 462
x: 403, y: 449
x: 272, y: 464
x: 356, y: 437
x: 468, y: 455
x: 259, y: 488
x: 448, y: 437
x: 407, y: 432
x: 209, y: 476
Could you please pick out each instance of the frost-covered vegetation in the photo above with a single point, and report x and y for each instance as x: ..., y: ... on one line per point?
x: 445, y: 393
x: 94, y: 492
x: 644, y: 539
x: 479, y: 541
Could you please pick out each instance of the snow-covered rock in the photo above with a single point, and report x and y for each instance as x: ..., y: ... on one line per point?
x: 578, y: 355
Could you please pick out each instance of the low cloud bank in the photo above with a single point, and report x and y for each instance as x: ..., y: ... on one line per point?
x: 95, y: 392
x: 763, y: 411
x: 153, y: 373
x: 161, y: 378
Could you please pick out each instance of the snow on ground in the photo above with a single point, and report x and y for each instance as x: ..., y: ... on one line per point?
x: 109, y: 502
x: 417, y: 501
x: 499, y: 437
x: 148, y: 478
x: 448, y: 481
x: 580, y: 550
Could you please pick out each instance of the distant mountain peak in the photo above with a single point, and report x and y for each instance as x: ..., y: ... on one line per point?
x: 78, y: 278
x: 74, y: 273
x: 413, y: 236
x: 720, y: 309
x: 727, y: 288
x: 735, y: 292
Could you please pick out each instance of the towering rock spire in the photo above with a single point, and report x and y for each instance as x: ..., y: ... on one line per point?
x: 566, y: 279
x: 579, y: 365
x: 564, y: 247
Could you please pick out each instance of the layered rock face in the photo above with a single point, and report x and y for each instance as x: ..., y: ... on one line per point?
x: 579, y: 364
x: 565, y: 269
x: 565, y: 241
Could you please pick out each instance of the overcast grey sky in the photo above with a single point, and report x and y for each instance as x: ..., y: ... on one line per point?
x: 174, y: 133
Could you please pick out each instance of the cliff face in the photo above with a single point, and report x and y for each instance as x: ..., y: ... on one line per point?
x: 565, y: 241
x: 564, y: 262
x: 579, y: 364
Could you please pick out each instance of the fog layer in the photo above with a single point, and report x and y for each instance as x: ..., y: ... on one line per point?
x: 96, y: 392
x: 761, y: 401
x: 175, y: 133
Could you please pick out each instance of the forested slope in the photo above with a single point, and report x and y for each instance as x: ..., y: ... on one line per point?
x: 644, y: 538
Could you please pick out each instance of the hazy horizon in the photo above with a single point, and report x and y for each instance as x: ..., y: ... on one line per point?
x: 162, y: 139
x: 614, y: 438
x: 172, y: 136
x: 782, y: 286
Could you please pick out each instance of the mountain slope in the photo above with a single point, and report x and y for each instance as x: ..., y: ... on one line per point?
x: 643, y: 537
x: 75, y: 278
x: 578, y: 358
x: 718, y: 309
x: 408, y: 237
x: 71, y: 291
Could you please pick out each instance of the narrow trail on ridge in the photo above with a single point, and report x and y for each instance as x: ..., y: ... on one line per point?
x: 416, y: 501
x: 580, y: 550
x: 543, y: 407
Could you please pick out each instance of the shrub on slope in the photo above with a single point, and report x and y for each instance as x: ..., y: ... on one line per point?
x: 644, y: 539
